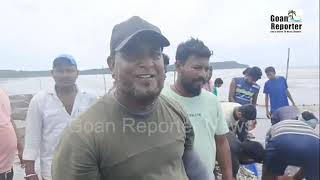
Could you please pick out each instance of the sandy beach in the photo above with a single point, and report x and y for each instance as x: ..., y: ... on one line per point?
x: 303, y: 84
x: 20, y: 104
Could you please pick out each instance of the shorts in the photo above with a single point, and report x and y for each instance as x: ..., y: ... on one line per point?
x: 7, y: 175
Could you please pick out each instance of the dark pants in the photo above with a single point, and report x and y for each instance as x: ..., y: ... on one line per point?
x: 7, y: 175
x: 243, y: 152
x: 295, y: 150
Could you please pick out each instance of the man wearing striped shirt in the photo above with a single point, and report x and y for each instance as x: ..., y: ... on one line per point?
x: 292, y: 142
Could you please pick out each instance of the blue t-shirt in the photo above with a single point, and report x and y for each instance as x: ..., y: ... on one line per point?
x: 276, y: 89
x: 245, y: 91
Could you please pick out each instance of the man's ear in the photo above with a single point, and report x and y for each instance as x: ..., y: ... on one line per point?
x: 112, y: 66
x: 179, y: 65
x: 239, y: 114
x: 110, y: 62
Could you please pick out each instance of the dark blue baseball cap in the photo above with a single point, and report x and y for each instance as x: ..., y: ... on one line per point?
x: 64, y: 59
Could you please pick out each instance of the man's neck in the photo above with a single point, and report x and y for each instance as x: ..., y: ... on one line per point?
x: 276, y: 77
x: 179, y: 89
x: 66, y: 90
x: 134, y: 105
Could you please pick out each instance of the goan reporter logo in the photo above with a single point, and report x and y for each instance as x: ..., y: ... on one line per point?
x: 286, y: 21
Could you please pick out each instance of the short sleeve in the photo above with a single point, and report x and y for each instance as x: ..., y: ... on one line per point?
x: 189, y: 132
x: 5, y: 109
x: 75, y: 158
x: 222, y: 127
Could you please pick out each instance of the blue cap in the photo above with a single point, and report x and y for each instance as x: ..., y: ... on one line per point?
x: 64, y: 58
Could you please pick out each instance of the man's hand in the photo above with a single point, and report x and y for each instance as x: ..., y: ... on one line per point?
x: 35, y: 177
x: 20, y: 151
x: 285, y: 178
x: 268, y: 114
x: 30, y: 170
x: 252, y: 124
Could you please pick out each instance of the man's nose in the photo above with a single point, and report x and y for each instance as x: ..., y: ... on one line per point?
x: 146, y: 62
x: 203, y: 73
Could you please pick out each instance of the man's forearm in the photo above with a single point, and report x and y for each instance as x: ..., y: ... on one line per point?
x: 242, y: 130
x: 299, y: 174
x: 290, y: 97
x: 231, y: 99
x: 14, y: 127
x: 29, y: 166
x: 224, y: 157
x: 232, y: 91
x: 19, y: 144
x: 194, y: 167
x: 13, y: 124
x: 255, y: 99
x: 266, y: 100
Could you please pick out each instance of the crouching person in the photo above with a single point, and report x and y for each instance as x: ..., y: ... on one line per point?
x: 292, y: 142
x: 243, y: 150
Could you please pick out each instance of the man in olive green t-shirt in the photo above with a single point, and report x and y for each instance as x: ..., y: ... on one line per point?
x: 133, y: 133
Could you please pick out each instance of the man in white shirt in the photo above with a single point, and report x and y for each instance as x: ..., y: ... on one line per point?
x: 49, y: 113
x: 243, y: 151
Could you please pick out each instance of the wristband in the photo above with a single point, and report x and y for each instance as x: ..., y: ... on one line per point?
x: 29, y: 175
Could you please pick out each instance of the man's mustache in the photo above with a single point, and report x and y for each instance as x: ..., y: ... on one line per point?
x: 199, y: 79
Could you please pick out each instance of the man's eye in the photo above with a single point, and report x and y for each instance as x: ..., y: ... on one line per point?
x: 70, y: 70
x: 58, y: 71
x: 129, y: 57
x: 156, y: 56
x: 197, y: 68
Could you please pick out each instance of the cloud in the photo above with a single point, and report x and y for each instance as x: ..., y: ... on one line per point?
x: 36, y: 31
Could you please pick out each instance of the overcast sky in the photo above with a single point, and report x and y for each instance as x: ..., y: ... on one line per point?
x: 33, y: 32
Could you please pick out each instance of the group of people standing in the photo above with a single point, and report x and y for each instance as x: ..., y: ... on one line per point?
x: 141, y: 129
x: 296, y: 131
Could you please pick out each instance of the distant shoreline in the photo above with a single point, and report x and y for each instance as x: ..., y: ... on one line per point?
x: 24, y: 74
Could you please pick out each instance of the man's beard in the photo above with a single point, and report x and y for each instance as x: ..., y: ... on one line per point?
x: 139, y: 93
x: 188, y: 86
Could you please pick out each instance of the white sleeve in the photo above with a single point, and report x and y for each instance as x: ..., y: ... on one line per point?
x: 222, y: 127
x: 33, y: 135
x: 92, y: 100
